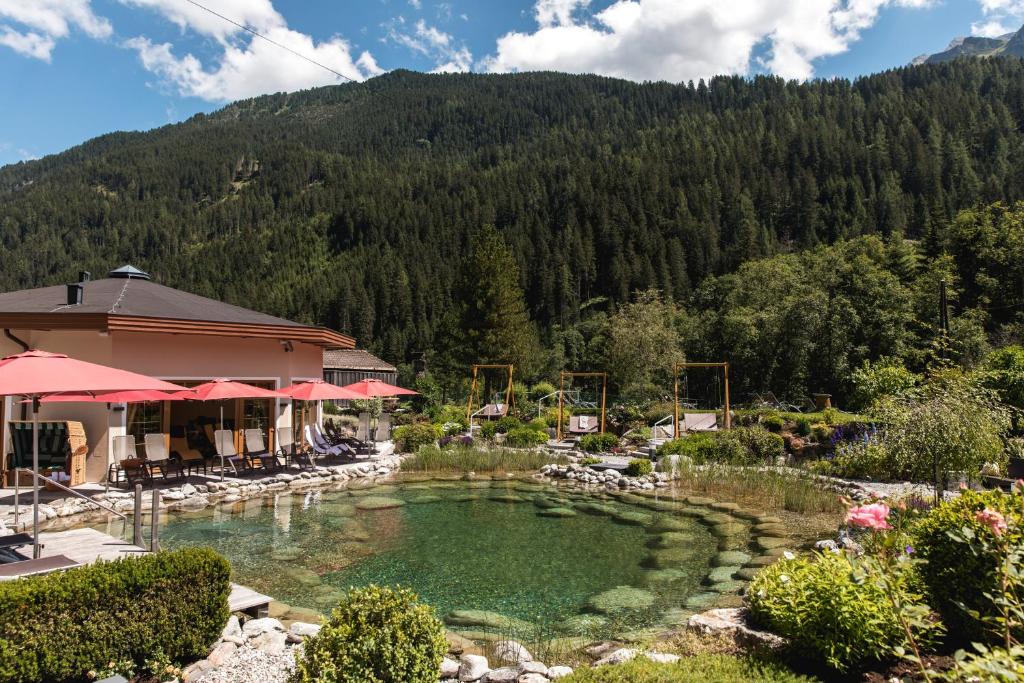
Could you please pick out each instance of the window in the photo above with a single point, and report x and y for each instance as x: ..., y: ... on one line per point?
x: 145, y: 418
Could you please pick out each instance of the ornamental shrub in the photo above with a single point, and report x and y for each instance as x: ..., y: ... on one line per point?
x: 170, y: 605
x: 828, y: 613
x: 884, y: 378
x: 761, y: 445
x: 601, y: 442
x: 375, y: 635
x: 525, y: 437
x: 701, y: 668
x: 488, y: 430
x: 409, y: 438
x: 954, y: 575
x: 537, y: 424
x: 638, y: 436
x: 773, y: 423
x: 506, y: 424
x: 803, y: 427
x: 639, y: 467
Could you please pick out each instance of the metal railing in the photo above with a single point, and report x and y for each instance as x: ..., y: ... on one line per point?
x: 17, y: 494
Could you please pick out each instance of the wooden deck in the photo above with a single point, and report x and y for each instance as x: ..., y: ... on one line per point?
x: 87, y: 546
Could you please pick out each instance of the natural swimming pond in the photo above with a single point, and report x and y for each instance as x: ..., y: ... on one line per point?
x: 515, y: 557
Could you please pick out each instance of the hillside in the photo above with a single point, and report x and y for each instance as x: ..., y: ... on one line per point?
x: 351, y: 206
x: 1010, y: 45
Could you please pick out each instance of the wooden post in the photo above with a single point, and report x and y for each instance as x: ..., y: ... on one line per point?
x: 727, y: 421
x: 137, y: 531
x: 510, y: 395
x: 469, y: 405
x: 561, y: 397
x: 154, y: 521
x: 675, y: 406
x: 604, y: 394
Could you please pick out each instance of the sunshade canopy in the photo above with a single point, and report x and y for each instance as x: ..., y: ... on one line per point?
x: 142, y: 396
x: 319, y: 390
x: 39, y: 373
x: 372, y: 388
x: 226, y: 389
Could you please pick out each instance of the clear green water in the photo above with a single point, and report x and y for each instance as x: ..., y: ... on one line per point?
x: 459, y: 549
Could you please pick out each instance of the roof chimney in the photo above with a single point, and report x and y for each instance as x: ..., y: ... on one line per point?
x: 128, y: 273
x: 75, y: 292
x: 84, y: 276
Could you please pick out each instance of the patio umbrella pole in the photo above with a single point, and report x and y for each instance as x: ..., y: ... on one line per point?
x: 35, y: 478
x: 221, y: 449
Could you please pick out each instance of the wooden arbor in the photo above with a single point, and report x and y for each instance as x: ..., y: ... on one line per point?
x: 561, y: 395
x: 475, y: 389
x: 726, y: 418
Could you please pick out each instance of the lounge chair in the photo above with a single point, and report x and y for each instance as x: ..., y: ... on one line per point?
x: 584, y: 424
x: 190, y: 458
x: 256, y: 450
x: 363, y: 430
x: 349, y: 446
x: 158, y: 458
x: 42, y: 565
x: 383, y: 431
x: 290, y: 452
x: 127, y: 460
x: 699, y: 422
x: 320, y: 447
x: 224, y: 440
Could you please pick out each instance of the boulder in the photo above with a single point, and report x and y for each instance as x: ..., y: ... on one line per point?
x: 304, y: 630
x: 620, y: 656
x: 257, y: 627
x: 449, y: 668
x: 556, y: 672
x: 533, y: 667
x: 503, y: 675
x: 733, y: 622
x: 662, y: 657
x: 511, y: 652
x: 730, y: 557
x: 221, y: 653
x: 232, y: 628
x: 472, y: 668
x: 270, y: 642
x: 532, y: 678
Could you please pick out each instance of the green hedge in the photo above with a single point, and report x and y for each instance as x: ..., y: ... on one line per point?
x: 60, y: 626
x: 602, y: 442
x: 409, y: 438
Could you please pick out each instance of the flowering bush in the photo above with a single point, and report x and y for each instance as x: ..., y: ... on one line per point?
x: 961, y: 571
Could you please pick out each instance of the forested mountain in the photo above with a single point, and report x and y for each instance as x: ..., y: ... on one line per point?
x: 352, y: 206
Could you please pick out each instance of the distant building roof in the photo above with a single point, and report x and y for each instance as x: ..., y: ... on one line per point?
x: 130, y: 302
x: 355, y: 359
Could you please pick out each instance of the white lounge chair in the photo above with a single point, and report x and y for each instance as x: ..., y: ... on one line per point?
x: 699, y: 422
x: 383, y: 431
x: 224, y: 441
x: 157, y: 457
x: 363, y: 430
x: 123, y: 449
x: 256, y: 449
x: 318, y: 446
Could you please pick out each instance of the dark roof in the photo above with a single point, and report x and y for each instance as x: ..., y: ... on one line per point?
x: 355, y: 359
x: 135, y: 297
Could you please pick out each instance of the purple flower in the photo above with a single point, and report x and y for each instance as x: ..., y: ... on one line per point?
x: 909, y: 550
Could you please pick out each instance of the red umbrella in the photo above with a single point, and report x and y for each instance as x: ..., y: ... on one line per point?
x: 319, y: 390
x: 225, y: 389
x: 372, y: 388
x: 141, y: 396
x: 35, y: 374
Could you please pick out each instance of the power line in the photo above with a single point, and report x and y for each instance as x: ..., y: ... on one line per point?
x: 272, y: 42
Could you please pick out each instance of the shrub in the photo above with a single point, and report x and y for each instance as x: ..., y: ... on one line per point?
x: 1004, y: 372
x: 537, y: 424
x: 639, y: 467
x: 857, y: 460
x: 330, y: 408
x: 698, y: 669
x: 601, y: 442
x: 803, y: 427
x: 542, y: 389
x: 761, y: 445
x: 488, y: 430
x: 589, y: 460
x: 830, y: 416
x: 171, y: 605
x: 773, y: 423
x: 375, y: 635
x: 450, y: 414
x: 638, y: 436
x: 409, y: 438
x: 828, y: 613
x: 551, y: 417
x: 434, y: 459
x: 885, y: 378
x: 821, y: 432
x: 506, y: 424
x: 953, y: 574
x: 524, y: 437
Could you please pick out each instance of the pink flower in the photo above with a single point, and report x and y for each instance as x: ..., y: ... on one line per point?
x: 869, y: 516
x: 992, y: 519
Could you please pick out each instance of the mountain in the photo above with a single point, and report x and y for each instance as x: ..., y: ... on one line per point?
x: 1009, y: 45
x: 352, y: 206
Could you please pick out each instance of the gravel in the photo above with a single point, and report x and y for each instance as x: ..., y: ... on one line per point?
x: 249, y: 665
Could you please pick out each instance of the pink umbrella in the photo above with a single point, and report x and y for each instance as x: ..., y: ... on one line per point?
x: 319, y: 390
x: 35, y: 374
x: 222, y: 390
x: 141, y: 396
x: 372, y: 388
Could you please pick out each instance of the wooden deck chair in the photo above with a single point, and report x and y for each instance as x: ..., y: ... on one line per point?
x: 158, y: 458
x: 700, y: 422
x: 383, y: 431
x: 224, y: 440
x: 257, y: 450
x: 190, y: 458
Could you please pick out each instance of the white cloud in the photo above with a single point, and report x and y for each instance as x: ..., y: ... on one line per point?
x: 678, y: 41
x: 1001, y: 17
x: 247, y: 65
x: 432, y: 42
x: 41, y: 23
x: 416, y: 4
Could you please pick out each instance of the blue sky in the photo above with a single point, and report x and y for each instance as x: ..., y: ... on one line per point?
x: 74, y: 69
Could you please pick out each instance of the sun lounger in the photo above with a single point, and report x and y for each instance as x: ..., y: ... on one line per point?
x: 123, y: 449
x: 350, y: 447
x: 383, y: 431
x: 190, y: 458
x: 15, y: 540
x: 363, y: 430
x: 700, y: 422
x: 584, y: 424
x: 159, y: 459
x: 320, y: 447
x: 43, y: 565
x: 224, y: 440
x: 257, y: 450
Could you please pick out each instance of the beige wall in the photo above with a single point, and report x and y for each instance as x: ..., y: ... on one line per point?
x: 171, y: 357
